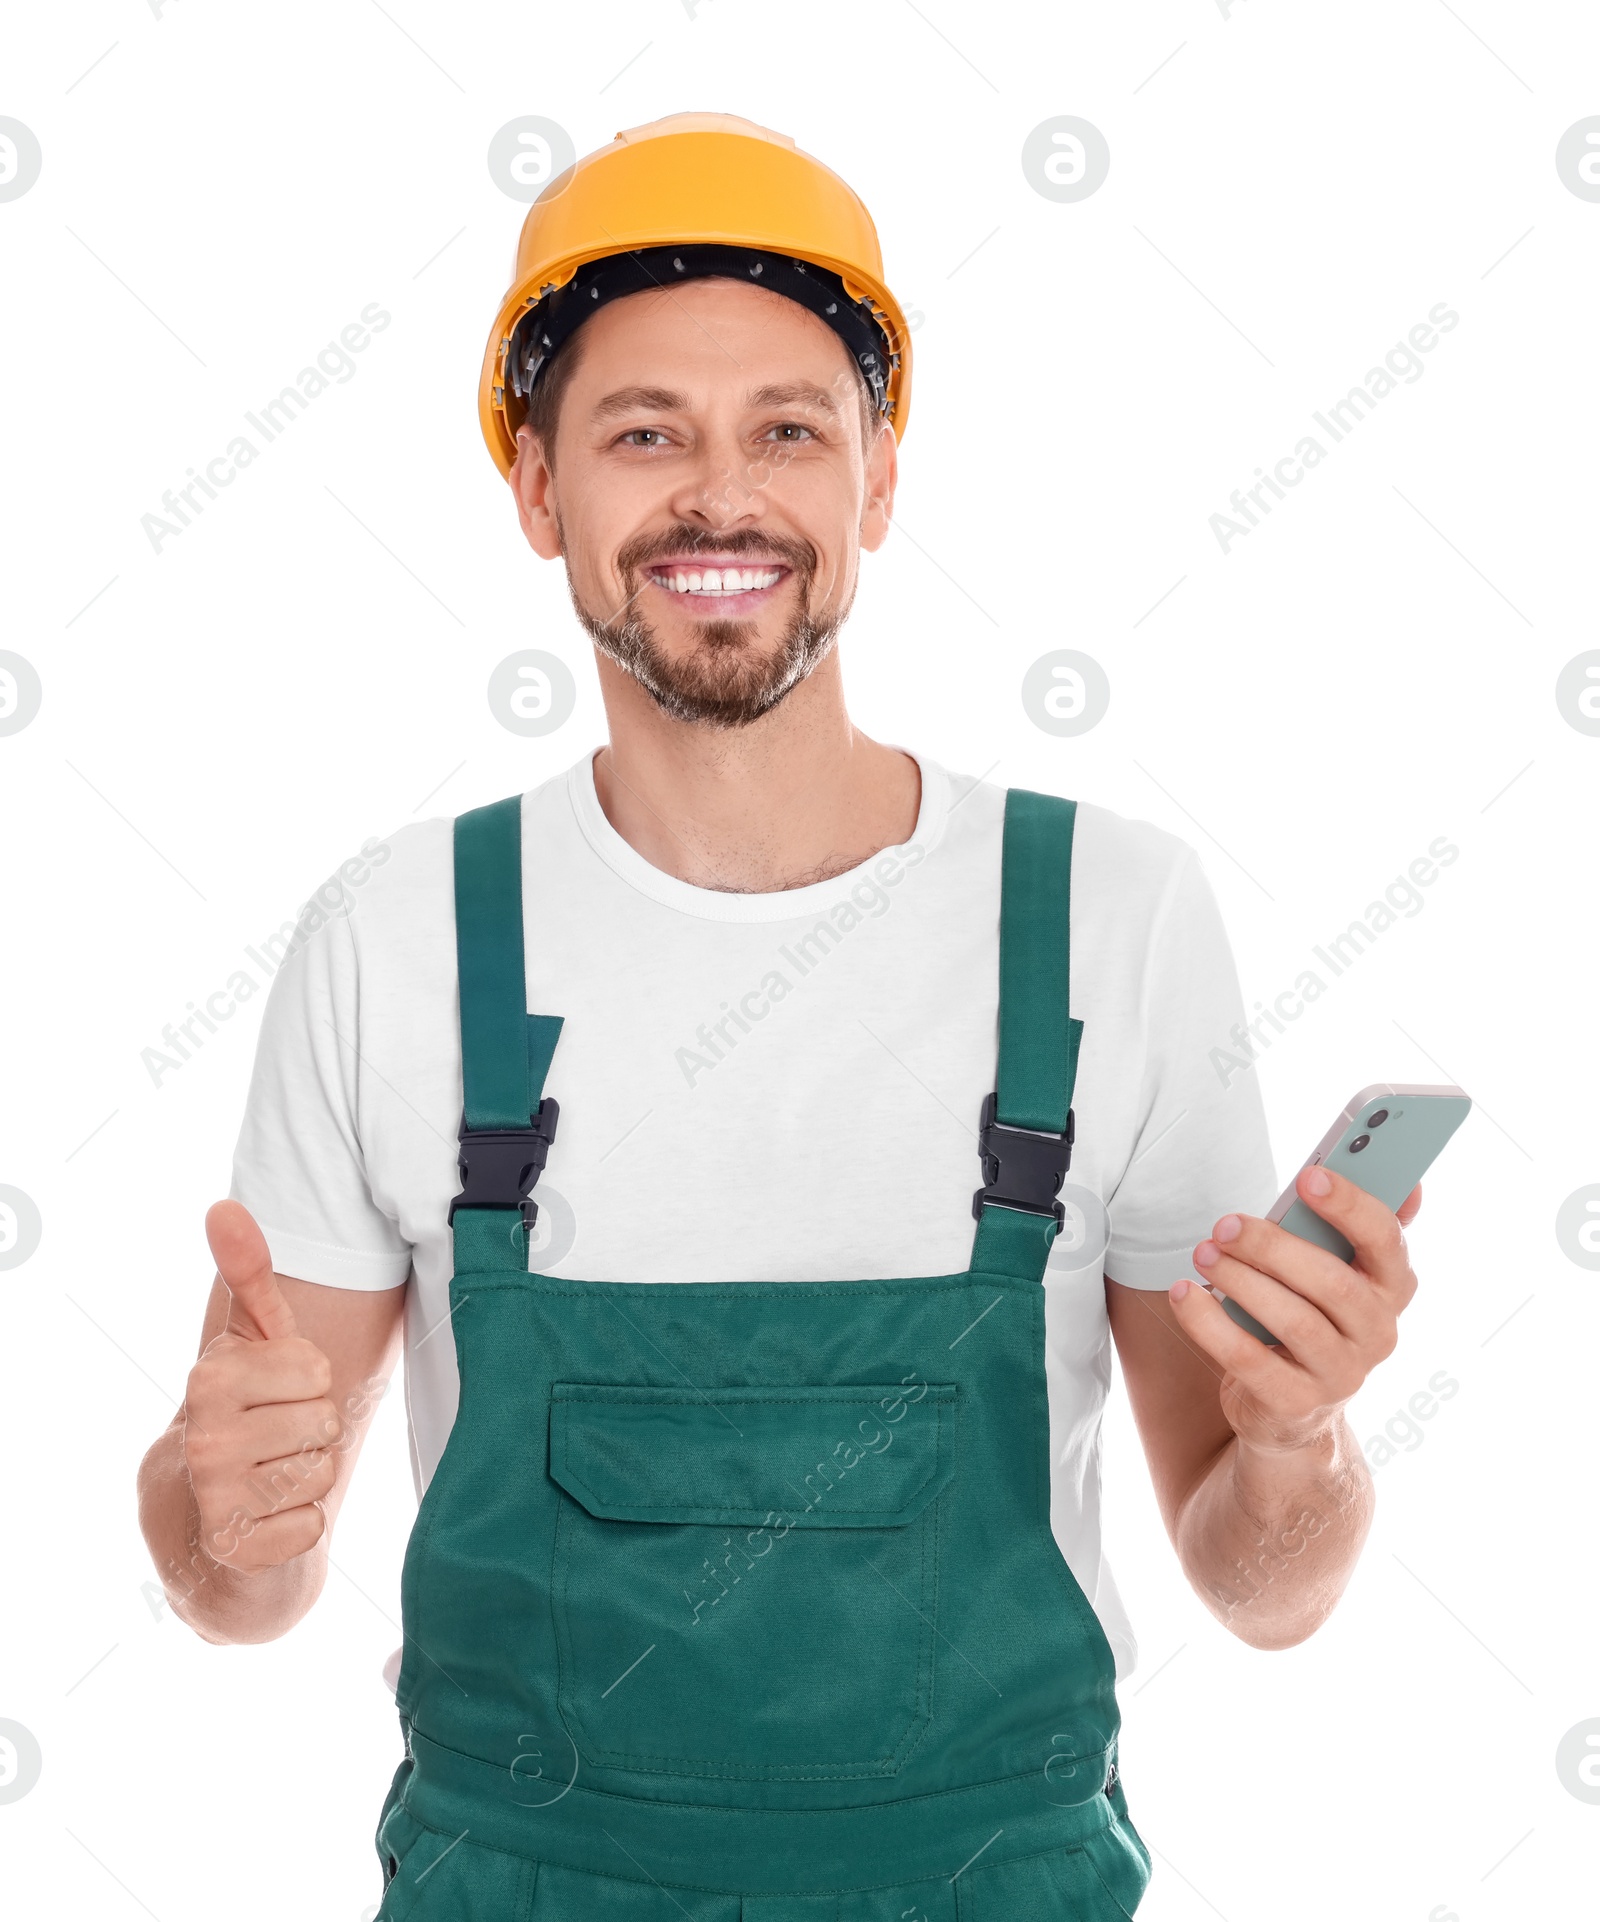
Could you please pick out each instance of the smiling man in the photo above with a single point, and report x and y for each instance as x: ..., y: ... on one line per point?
x: 755, y: 1406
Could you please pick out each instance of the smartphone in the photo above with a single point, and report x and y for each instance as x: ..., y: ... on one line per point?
x: 1385, y: 1140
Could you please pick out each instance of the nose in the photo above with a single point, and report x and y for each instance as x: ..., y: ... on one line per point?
x: 715, y: 490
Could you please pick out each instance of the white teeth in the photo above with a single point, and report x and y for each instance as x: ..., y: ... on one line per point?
x: 714, y: 580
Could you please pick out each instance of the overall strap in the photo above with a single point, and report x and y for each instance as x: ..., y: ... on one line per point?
x: 507, y: 1123
x: 1026, y: 1127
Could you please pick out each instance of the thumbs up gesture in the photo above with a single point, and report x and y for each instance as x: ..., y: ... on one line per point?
x: 259, y: 1429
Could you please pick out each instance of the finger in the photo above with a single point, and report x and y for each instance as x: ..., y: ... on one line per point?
x: 258, y: 1311
x: 250, y: 1546
x: 1311, y: 1337
x: 236, y: 1372
x: 1372, y: 1230
x: 1256, y: 1256
x: 293, y: 1481
x: 1256, y: 1366
x: 263, y: 1434
x: 1406, y: 1213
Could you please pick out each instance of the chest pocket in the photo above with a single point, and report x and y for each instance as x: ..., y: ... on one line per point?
x: 745, y: 1580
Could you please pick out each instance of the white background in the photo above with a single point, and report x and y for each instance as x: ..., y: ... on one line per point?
x: 1374, y: 666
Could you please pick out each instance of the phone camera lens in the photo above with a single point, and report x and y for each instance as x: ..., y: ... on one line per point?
x: 1359, y: 1143
x: 1377, y: 1118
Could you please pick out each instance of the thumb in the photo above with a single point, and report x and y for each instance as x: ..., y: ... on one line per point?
x: 259, y: 1311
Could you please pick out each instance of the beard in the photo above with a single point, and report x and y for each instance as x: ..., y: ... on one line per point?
x: 725, y: 680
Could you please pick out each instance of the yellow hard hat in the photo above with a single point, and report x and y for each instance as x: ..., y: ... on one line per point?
x: 708, y: 182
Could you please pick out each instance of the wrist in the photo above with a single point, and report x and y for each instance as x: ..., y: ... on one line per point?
x: 1315, y: 1443
x: 1323, y: 1467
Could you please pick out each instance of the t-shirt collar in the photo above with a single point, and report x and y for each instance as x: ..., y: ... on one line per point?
x: 713, y: 904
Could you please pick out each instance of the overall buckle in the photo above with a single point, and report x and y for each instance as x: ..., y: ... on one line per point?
x: 499, y: 1166
x: 1023, y: 1168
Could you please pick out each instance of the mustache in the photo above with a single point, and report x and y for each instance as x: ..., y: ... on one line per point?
x: 799, y: 555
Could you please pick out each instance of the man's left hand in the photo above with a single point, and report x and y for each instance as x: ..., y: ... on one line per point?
x: 1335, y: 1320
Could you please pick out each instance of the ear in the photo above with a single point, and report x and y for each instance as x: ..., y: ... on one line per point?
x: 533, y: 486
x: 877, y: 508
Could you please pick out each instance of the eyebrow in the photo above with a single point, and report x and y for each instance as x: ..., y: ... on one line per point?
x: 792, y: 393
x: 668, y: 400
x: 625, y: 399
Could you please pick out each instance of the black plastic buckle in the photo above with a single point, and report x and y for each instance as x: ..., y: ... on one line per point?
x: 499, y: 1166
x: 1022, y: 1168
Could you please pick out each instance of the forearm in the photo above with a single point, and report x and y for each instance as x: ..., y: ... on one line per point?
x: 1268, y: 1540
x: 220, y: 1604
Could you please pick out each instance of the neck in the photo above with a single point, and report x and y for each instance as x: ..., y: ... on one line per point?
x: 797, y: 796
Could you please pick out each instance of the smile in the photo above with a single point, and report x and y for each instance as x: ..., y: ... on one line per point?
x: 716, y: 583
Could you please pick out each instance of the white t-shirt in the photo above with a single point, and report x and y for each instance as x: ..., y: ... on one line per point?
x: 771, y: 1087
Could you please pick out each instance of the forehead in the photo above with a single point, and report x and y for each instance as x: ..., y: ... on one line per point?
x: 720, y: 334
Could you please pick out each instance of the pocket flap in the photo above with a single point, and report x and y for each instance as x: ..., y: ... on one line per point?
x: 860, y: 1457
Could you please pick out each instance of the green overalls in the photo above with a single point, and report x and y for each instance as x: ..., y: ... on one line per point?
x: 739, y: 1601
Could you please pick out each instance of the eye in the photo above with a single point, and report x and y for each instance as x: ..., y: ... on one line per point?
x: 792, y: 427
x: 629, y: 437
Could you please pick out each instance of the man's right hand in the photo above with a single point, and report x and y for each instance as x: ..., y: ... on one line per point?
x: 259, y: 1429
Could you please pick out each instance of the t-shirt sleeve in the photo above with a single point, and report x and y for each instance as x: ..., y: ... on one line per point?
x: 298, y: 1165
x: 1201, y: 1148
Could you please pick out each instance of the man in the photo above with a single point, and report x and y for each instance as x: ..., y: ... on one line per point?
x: 761, y: 1575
